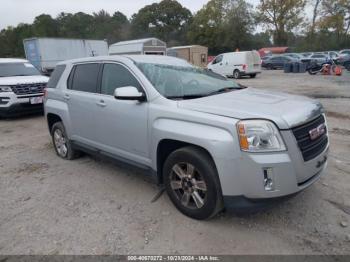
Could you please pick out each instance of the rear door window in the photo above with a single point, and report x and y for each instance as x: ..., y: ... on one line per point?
x: 115, y: 76
x: 85, y: 78
x: 55, y: 76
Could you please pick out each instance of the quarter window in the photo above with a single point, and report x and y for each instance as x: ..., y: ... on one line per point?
x: 115, y: 76
x: 55, y: 76
x: 85, y: 78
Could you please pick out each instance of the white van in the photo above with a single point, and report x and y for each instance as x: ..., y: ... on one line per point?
x: 237, y: 64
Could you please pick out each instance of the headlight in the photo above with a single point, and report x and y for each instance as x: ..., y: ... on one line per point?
x: 5, y: 89
x: 259, y: 136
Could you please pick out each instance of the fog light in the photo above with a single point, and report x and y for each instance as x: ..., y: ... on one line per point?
x: 269, y: 184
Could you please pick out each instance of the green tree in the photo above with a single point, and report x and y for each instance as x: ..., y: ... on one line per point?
x: 336, y: 17
x: 77, y: 25
x: 113, y: 28
x: 166, y: 20
x: 223, y: 25
x: 281, y: 16
x: 11, y: 40
x: 259, y: 40
x: 45, y: 25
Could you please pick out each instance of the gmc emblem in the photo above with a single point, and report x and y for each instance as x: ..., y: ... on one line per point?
x: 317, y: 132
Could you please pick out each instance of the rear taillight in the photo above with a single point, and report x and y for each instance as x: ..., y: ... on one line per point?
x: 45, y: 92
x: 245, y: 67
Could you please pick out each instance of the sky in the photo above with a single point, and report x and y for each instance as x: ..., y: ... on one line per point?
x: 13, y: 12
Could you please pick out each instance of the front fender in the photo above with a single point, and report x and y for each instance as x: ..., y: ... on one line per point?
x: 218, y: 141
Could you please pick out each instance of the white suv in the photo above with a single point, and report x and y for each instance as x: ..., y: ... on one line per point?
x: 21, y: 87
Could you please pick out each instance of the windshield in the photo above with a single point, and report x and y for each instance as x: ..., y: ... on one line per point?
x: 17, y: 69
x: 185, y: 81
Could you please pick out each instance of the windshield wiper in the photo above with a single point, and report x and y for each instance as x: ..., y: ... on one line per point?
x: 186, y: 96
x: 224, y: 90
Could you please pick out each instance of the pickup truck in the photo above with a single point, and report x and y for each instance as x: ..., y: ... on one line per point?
x: 212, y: 143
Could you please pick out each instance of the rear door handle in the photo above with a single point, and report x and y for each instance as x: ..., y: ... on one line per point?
x: 101, y: 103
x: 66, y: 97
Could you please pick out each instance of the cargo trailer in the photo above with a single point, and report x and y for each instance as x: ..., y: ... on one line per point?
x: 146, y: 46
x: 45, y: 53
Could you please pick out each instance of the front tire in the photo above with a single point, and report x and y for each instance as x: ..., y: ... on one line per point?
x: 236, y: 74
x: 192, y: 183
x: 61, y: 143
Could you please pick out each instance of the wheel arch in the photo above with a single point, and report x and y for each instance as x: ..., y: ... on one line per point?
x: 167, y: 146
x: 52, y: 119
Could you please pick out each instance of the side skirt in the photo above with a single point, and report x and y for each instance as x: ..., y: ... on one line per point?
x: 119, y: 161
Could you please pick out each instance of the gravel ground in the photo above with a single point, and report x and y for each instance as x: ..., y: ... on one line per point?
x: 93, y: 206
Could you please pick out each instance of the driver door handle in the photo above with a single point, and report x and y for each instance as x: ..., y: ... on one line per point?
x: 66, y: 96
x: 101, y: 103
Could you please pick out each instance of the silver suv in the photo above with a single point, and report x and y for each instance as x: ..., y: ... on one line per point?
x: 211, y: 142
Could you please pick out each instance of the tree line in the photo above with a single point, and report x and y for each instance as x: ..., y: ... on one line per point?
x: 222, y: 25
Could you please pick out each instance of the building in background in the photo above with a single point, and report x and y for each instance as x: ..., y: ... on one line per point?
x: 195, y: 54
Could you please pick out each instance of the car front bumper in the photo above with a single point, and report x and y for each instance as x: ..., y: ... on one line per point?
x: 244, y: 177
x: 11, y: 104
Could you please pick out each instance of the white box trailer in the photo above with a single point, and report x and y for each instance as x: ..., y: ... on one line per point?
x: 146, y: 46
x: 45, y: 53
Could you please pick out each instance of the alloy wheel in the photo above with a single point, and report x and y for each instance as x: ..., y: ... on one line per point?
x: 60, y: 143
x: 188, y: 185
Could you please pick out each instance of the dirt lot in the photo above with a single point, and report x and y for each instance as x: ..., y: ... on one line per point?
x: 92, y: 206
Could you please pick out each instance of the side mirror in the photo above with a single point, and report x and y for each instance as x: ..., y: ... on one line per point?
x: 129, y: 93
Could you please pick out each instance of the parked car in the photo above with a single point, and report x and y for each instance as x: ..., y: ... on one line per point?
x: 209, y: 140
x: 345, y: 61
x: 318, y: 58
x: 277, y: 62
x: 237, y: 64
x: 294, y: 55
x: 306, y: 54
x: 21, y: 87
x: 265, y: 58
x: 344, y: 52
x: 332, y: 55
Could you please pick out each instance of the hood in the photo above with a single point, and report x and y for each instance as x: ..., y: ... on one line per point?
x: 16, y: 80
x: 285, y: 110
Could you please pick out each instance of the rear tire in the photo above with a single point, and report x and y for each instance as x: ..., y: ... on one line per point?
x: 252, y: 75
x: 269, y: 67
x: 192, y: 183
x: 236, y: 74
x: 61, y: 142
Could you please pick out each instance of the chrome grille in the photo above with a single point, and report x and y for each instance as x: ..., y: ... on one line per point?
x: 311, y: 148
x: 28, y: 89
